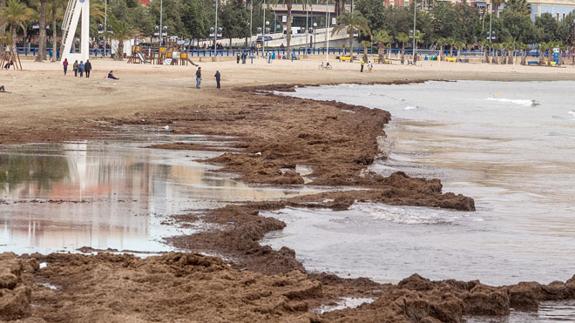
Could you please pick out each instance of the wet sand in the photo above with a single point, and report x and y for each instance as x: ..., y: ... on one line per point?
x: 275, y: 135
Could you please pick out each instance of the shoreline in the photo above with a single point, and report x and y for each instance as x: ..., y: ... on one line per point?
x: 412, y: 298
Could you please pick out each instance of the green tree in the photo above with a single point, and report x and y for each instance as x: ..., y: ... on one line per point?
x: 352, y: 23
x: 515, y: 23
x: 373, y: 11
x: 197, y: 18
x: 234, y: 20
x: 382, y: 38
x: 56, y: 9
x: 566, y: 30
x: 548, y: 27
x: 41, y: 55
x: 402, y: 38
x: 121, y: 31
x: 15, y: 15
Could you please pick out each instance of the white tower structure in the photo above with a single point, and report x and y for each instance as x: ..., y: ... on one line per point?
x: 76, y: 9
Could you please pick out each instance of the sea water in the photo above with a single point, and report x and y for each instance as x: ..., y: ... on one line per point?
x: 509, y: 145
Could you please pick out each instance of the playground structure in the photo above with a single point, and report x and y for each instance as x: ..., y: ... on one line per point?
x: 160, y: 56
x: 75, y: 10
x: 9, y: 54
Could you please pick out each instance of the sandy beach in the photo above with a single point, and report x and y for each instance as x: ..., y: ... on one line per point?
x: 273, y: 135
x: 65, y: 102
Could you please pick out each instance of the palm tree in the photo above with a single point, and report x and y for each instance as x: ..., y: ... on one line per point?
x: 402, y: 38
x: 441, y: 42
x: 459, y: 45
x: 339, y: 7
x: 365, y: 44
x: 2, y: 26
x: 56, y: 14
x: 485, y: 46
x: 418, y: 39
x: 15, y: 16
x: 289, y: 4
x: 497, y: 50
x: 451, y: 42
x: 121, y: 30
x: 523, y: 47
x: 382, y: 38
x: 42, y: 24
x: 352, y: 23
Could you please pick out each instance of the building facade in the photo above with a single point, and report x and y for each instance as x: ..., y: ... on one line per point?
x: 559, y: 9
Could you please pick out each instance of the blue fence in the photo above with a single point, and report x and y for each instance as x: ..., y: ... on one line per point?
x: 32, y: 51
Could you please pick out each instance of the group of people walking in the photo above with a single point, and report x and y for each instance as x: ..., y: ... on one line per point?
x: 243, y: 57
x: 82, y: 69
x: 78, y: 68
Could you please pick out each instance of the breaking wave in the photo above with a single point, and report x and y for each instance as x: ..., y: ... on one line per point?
x: 407, y: 214
x: 526, y: 103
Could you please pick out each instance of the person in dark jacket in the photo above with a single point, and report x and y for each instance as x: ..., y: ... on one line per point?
x: 198, y: 77
x: 88, y: 68
x: 238, y: 58
x: 81, y: 67
x: 65, y: 65
x: 75, y: 67
x: 218, y: 77
x: 111, y: 76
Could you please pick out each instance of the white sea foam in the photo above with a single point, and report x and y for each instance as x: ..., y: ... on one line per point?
x: 408, y: 215
x: 411, y: 108
x: 527, y: 103
x: 572, y: 113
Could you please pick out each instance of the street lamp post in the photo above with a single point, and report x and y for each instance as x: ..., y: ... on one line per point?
x: 314, y: 40
x: 216, y: 31
x: 327, y: 25
x: 414, y: 28
x: 263, y: 28
x: 306, y: 24
x: 490, y: 23
x: 161, y: 22
x: 105, y: 26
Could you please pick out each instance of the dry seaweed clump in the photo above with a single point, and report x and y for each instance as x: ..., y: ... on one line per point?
x: 175, y: 287
x: 15, y: 294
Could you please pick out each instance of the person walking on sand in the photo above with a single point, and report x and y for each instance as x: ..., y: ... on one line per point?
x: 2, y: 88
x: 198, y: 77
x: 218, y: 77
x: 65, y: 65
x: 75, y: 67
x: 362, y: 62
x: 88, y: 68
x: 81, y: 67
x: 237, y: 58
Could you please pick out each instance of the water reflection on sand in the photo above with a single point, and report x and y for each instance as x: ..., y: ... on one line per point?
x: 107, y: 195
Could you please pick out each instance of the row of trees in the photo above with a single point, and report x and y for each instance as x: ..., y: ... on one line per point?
x: 442, y: 25
x: 189, y: 19
x: 457, y: 26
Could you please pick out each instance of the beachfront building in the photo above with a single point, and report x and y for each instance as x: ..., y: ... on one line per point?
x: 557, y: 8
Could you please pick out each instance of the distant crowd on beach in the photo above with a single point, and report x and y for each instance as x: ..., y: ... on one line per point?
x: 83, y: 69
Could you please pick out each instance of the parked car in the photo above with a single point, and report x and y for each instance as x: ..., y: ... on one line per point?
x: 265, y: 38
